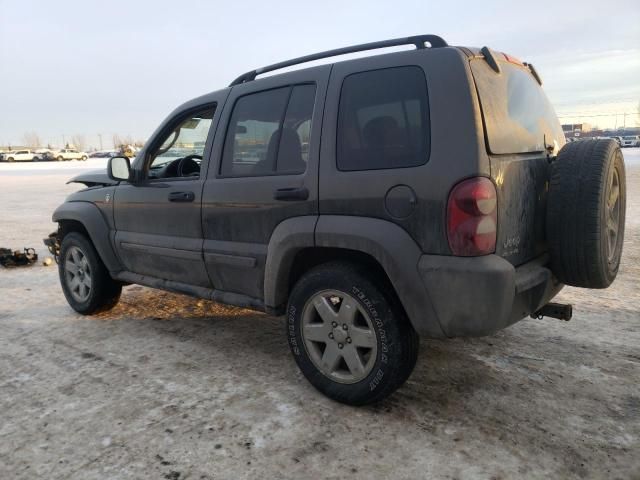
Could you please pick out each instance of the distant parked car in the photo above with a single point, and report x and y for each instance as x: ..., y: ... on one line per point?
x: 69, y: 154
x: 103, y: 154
x: 630, y: 141
x: 20, y: 156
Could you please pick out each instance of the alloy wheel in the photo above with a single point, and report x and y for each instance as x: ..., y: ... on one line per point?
x: 339, y: 336
x: 77, y: 274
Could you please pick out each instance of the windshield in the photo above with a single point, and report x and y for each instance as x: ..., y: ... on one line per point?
x: 517, y: 114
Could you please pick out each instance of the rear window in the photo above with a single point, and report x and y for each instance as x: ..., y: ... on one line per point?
x: 517, y: 113
x: 383, y: 120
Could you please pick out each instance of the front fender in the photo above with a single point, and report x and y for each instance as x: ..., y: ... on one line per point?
x: 90, y: 216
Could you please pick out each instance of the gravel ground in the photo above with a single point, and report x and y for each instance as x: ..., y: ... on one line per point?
x: 166, y: 386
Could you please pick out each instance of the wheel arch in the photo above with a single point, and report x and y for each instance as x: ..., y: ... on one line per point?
x: 304, y: 242
x: 86, y: 218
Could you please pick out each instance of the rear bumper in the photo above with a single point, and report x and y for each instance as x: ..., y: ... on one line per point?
x: 476, y: 296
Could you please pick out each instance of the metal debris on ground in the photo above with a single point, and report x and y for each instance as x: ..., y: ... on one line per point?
x: 15, y: 258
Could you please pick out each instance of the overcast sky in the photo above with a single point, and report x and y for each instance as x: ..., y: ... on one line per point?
x: 89, y: 67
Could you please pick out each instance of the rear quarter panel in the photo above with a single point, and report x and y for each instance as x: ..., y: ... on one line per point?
x: 457, y: 149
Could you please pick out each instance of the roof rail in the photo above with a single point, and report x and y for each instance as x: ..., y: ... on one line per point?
x: 419, y: 41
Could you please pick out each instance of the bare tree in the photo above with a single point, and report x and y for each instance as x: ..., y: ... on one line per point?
x: 32, y: 139
x: 79, y: 141
x: 115, y: 138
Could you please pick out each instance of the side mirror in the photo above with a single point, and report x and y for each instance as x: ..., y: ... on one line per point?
x: 119, y: 168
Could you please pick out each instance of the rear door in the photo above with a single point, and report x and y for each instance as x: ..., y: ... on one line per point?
x: 266, y: 171
x: 521, y: 128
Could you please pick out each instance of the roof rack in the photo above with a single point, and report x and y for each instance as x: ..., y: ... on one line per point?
x: 419, y: 41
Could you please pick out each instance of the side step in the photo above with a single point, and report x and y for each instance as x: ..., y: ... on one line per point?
x: 555, y: 310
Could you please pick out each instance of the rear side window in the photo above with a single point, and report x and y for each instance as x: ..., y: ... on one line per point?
x: 517, y: 114
x: 268, y: 133
x: 383, y: 120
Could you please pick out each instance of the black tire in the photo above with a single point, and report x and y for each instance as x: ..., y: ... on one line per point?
x: 583, y: 249
x: 34, y: 159
x: 10, y: 159
x: 396, y: 341
x: 84, y: 158
x: 104, y: 292
x: 60, y: 158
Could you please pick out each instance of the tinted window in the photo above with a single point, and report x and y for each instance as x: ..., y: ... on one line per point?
x: 517, y: 113
x: 269, y: 133
x: 293, y: 152
x: 383, y: 120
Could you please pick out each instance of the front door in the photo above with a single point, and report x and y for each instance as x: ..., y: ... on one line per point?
x: 158, y: 216
x: 267, y: 171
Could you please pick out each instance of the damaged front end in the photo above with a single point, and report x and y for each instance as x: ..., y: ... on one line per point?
x: 53, y: 244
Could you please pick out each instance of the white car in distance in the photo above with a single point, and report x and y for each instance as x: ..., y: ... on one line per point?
x: 69, y: 154
x: 20, y: 156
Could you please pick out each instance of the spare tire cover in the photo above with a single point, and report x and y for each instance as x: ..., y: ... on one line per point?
x: 586, y: 213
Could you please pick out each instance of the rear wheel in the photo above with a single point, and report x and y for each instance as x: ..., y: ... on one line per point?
x: 586, y: 213
x: 84, y: 157
x: 348, y: 335
x: 85, y: 281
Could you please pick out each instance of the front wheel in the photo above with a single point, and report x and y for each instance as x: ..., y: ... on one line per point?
x: 348, y: 335
x: 85, y: 281
x: 84, y: 158
x: 60, y: 158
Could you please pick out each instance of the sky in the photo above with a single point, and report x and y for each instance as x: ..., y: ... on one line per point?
x: 119, y: 67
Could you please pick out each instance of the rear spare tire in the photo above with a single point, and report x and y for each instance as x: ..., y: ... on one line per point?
x: 586, y: 213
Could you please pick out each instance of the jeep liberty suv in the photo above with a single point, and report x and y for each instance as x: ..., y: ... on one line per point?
x: 425, y: 192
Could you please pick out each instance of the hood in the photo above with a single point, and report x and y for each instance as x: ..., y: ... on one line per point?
x: 93, y: 179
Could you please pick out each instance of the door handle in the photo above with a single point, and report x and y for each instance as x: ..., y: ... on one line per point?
x: 287, y: 194
x: 182, y: 197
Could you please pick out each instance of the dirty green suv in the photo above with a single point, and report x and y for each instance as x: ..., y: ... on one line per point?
x: 420, y: 193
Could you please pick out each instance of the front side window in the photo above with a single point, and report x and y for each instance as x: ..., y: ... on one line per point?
x: 383, y: 120
x: 269, y: 133
x: 180, y: 152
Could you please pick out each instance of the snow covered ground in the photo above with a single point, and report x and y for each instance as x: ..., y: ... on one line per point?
x: 72, y: 167
x: 167, y: 386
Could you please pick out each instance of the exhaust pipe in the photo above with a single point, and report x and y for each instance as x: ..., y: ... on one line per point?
x: 554, y: 310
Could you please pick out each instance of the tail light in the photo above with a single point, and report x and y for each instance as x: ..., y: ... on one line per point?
x: 472, y: 217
